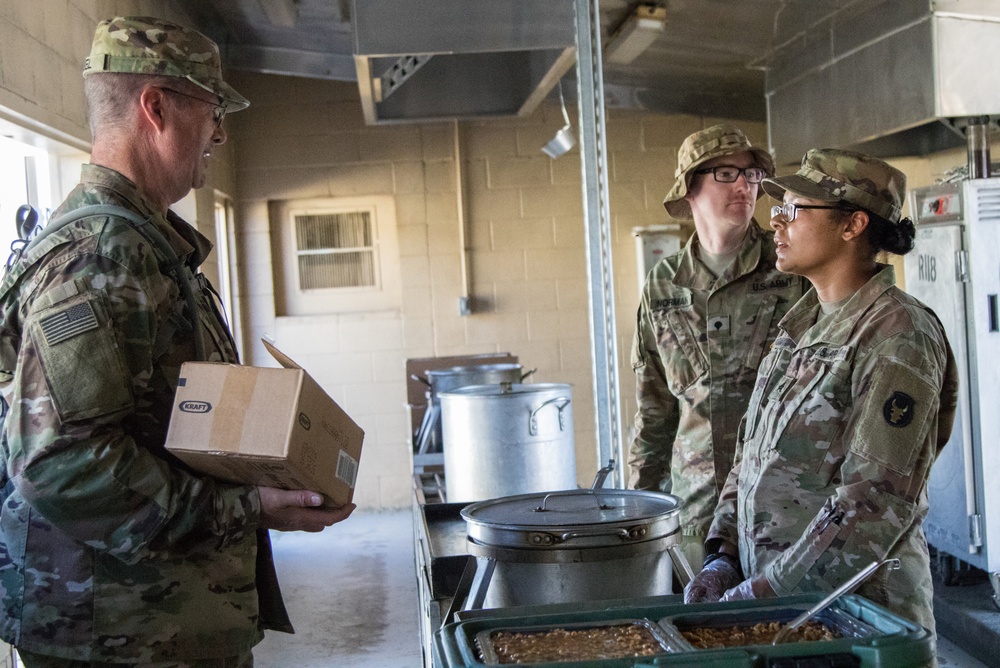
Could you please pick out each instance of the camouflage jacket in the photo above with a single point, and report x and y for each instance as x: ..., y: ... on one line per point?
x: 697, y: 345
x: 110, y: 549
x: 846, y: 418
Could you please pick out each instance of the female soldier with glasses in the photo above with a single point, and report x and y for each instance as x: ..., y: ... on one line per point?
x: 851, y: 406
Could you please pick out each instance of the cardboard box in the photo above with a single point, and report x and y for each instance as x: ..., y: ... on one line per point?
x: 265, y: 426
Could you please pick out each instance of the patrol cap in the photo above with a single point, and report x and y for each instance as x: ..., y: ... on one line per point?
x: 144, y: 45
x: 834, y: 175
x: 702, y: 146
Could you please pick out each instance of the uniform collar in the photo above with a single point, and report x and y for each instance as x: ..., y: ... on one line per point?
x: 186, y: 241
x: 798, y: 322
x: 694, y: 275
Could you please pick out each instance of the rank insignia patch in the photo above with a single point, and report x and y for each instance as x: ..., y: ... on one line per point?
x: 68, y: 322
x: 898, y: 410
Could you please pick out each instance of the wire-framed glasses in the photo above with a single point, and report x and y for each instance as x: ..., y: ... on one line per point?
x: 218, y: 110
x: 788, y: 211
x: 729, y: 173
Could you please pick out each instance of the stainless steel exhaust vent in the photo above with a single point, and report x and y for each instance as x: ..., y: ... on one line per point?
x: 446, y: 59
x: 889, y: 77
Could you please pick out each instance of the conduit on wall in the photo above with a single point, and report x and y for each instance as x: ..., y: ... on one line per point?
x: 464, y: 304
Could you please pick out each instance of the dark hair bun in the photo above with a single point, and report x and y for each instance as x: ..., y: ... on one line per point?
x: 896, y: 239
x: 901, y: 242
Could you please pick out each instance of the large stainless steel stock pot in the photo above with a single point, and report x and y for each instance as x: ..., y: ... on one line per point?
x: 507, y: 439
x: 576, y: 545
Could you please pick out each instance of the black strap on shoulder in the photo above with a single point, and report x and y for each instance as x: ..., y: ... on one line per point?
x: 173, y: 265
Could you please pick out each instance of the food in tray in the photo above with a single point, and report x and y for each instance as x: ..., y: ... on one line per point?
x: 599, y: 642
x: 761, y: 633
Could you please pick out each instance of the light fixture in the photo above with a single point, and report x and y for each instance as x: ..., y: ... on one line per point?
x: 635, y: 34
x: 564, y: 139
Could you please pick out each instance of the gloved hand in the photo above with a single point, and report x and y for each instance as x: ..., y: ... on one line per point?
x: 712, y: 582
x: 741, y: 592
x: 750, y: 589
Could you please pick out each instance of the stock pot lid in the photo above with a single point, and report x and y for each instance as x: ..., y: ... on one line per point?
x: 591, y: 517
x: 509, y: 390
x: 473, y: 369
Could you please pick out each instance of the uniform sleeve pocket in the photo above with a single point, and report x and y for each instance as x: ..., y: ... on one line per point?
x: 897, y: 406
x: 82, y: 362
x: 676, y: 335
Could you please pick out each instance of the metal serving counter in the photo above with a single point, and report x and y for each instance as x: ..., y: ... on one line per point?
x: 440, y: 553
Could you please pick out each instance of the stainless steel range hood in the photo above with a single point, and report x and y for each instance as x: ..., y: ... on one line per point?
x: 888, y: 77
x: 447, y: 59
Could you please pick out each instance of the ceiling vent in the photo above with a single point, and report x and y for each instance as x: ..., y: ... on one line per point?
x: 446, y: 59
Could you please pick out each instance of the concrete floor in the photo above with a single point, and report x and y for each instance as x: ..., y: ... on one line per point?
x: 351, y: 592
x: 352, y: 596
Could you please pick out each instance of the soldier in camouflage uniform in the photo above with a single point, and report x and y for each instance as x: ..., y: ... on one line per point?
x: 851, y: 406
x: 111, y: 551
x: 706, y: 317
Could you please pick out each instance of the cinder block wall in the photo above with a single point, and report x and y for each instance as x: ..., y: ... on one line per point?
x: 527, y: 256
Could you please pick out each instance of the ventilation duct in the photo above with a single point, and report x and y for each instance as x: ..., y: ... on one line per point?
x: 888, y: 77
x: 446, y: 59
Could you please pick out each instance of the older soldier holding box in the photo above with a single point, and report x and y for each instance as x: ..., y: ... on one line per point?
x: 850, y: 408
x: 707, y: 316
x: 112, y: 551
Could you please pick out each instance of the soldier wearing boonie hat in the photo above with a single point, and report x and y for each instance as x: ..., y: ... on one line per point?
x: 717, y: 141
x: 855, y: 401
x: 111, y: 550
x: 144, y: 45
x: 707, y: 315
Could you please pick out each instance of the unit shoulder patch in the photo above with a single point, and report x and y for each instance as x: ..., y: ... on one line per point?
x: 898, y: 409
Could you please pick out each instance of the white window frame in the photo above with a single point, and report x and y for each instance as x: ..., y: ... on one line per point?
x: 225, y: 244
x: 386, y: 294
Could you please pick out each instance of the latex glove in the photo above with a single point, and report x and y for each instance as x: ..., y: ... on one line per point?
x: 712, y: 582
x: 741, y: 592
x: 748, y: 590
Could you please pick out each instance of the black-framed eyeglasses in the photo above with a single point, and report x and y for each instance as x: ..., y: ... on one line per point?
x: 729, y: 173
x: 788, y: 210
x: 218, y: 110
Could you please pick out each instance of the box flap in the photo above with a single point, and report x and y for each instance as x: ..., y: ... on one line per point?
x: 283, y: 359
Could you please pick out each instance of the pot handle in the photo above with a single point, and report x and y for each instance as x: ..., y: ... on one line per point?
x: 533, y: 419
x: 420, y: 379
x: 525, y: 375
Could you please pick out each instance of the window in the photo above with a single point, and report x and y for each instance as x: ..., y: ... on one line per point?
x: 335, y: 250
x: 23, y: 180
x: 224, y: 243
x: 337, y: 255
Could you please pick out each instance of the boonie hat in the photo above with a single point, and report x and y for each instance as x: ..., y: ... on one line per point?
x: 700, y: 147
x: 144, y: 45
x: 834, y: 175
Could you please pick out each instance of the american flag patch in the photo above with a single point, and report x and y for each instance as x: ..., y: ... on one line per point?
x: 68, y: 322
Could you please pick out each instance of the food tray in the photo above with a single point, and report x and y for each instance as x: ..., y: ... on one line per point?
x: 834, y: 619
x: 485, y: 644
x: 874, y: 636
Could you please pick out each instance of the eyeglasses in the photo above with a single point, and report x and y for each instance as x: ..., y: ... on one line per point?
x: 729, y: 173
x: 788, y: 210
x: 218, y: 110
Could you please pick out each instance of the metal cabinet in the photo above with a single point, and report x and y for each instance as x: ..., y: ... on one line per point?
x: 955, y: 269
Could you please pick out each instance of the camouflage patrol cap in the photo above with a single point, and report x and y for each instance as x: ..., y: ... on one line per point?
x: 143, y: 45
x: 833, y: 175
x: 702, y: 146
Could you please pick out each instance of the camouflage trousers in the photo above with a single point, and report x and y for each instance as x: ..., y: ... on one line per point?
x: 31, y: 660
